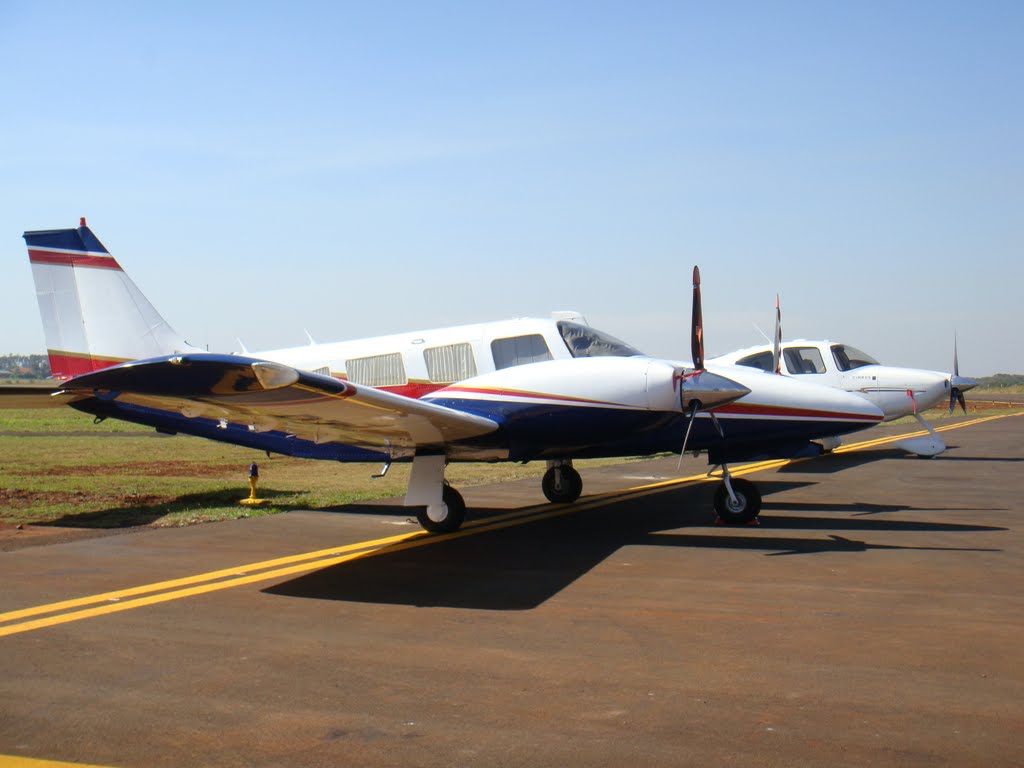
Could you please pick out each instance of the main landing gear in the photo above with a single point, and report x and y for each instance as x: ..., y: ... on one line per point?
x: 737, y: 501
x: 446, y: 516
x: 441, y: 507
x: 561, y: 483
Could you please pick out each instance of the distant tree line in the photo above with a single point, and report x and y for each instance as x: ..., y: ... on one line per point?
x: 24, y: 367
x: 1001, y: 380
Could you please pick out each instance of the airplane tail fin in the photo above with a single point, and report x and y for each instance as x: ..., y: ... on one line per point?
x: 93, y: 315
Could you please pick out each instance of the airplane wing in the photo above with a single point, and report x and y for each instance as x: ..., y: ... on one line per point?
x: 268, y: 396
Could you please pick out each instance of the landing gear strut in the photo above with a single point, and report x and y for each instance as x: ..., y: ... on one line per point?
x: 441, y: 507
x: 737, y: 501
x: 561, y: 483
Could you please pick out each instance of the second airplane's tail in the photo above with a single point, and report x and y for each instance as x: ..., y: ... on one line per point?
x: 94, y: 316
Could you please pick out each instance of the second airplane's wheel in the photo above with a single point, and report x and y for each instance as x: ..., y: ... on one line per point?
x: 746, y: 507
x: 562, y: 485
x: 446, y: 516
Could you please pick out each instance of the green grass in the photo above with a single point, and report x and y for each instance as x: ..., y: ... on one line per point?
x: 123, y: 475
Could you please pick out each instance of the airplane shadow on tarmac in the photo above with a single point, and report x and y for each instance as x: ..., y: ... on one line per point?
x: 522, y: 566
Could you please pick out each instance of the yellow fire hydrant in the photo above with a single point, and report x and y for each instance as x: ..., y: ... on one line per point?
x: 254, y: 476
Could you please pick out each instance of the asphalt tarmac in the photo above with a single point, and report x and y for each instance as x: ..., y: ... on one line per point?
x: 874, y: 617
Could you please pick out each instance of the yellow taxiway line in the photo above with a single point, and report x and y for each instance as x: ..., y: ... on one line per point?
x: 9, y: 761
x: 65, y: 611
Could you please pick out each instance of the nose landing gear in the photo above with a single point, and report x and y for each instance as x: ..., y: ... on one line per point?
x: 737, y: 501
x: 561, y: 483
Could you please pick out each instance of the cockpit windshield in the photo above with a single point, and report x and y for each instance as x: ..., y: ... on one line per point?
x: 848, y: 358
x: 584, y: 341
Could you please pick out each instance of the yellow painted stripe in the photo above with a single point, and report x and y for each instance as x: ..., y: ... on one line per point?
x: 295, y: 564
x: 10, y: 761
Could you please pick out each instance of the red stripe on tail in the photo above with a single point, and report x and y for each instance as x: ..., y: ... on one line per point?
x: 37, y: 256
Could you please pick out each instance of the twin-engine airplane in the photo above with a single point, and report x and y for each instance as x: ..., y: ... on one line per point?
x: 898, y: 392
x: 550, y: 390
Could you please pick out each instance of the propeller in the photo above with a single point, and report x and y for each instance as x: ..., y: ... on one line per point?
x: 697, y: 325
x: 700, y: 389
x: 958, y: 384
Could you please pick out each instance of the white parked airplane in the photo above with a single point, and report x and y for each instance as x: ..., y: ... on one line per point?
x: 552, y: 390
x: 898, y: 392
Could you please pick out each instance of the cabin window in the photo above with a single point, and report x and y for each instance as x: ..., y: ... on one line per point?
x: 519, y: 350
x: 804, y: 360
x: 377, y: 371
x: 584, y: 341
x: 762, y: 361
x: 848, y: 358
x: 453, y: 362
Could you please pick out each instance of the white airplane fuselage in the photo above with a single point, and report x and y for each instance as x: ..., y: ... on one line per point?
x: 896, y: 391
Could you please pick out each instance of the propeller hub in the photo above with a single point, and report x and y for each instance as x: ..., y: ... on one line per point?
x: 709, y: 390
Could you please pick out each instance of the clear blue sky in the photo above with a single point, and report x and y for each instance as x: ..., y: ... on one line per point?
x: 366, y: 168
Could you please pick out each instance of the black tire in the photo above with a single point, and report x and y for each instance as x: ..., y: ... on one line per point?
x: 748, y: 505
x: 452, y: 521
x: 562, y: 485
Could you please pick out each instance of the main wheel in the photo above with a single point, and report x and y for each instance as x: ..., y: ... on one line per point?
x: 562, y: 485
x: 446, y: 516
x: 746, y: 507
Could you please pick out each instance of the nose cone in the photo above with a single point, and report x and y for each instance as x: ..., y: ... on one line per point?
x: 962, y: 383
x: 709, y: 390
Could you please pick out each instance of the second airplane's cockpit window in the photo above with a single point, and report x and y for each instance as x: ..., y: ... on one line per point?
x: 761, y: 360
x: 584, y: 341
x: 804, y: 360
x: 848, y: 358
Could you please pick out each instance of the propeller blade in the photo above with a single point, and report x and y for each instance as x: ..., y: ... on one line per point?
x: 697, y: 325
x: 956, y: 364
x: 957, y: 396
x: 694, y: 407
x: 777, y: 343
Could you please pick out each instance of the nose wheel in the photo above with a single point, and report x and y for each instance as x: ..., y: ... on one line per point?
x: 741, y: 505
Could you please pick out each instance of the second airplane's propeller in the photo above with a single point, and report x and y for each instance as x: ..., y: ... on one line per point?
x: 958, y: 384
